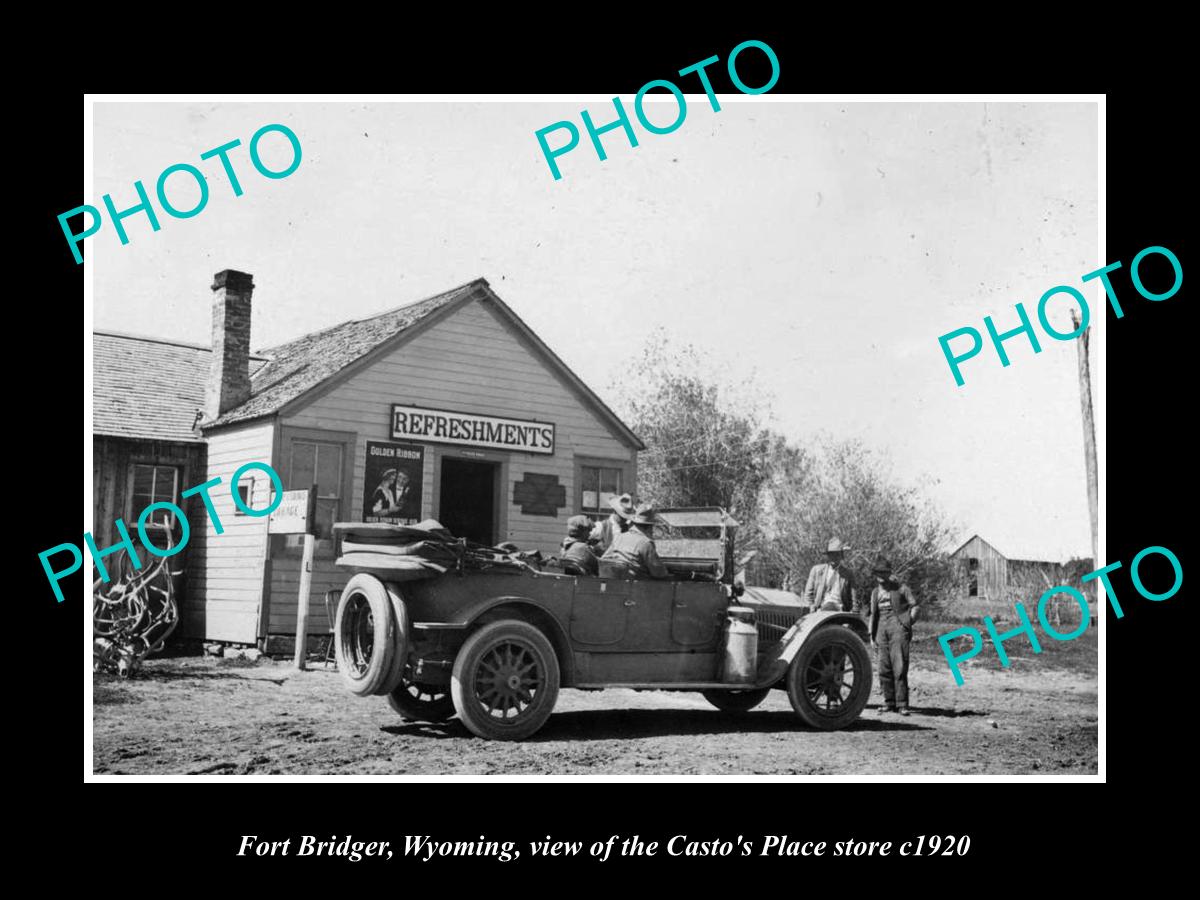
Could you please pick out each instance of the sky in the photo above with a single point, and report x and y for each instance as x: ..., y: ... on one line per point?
x: 821, y: 248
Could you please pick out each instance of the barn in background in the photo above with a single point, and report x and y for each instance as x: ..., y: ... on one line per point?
x: 983, y: 567
x: 987, y: 574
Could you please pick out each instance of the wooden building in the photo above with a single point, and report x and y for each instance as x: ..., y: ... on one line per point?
x: 450, y: 408
x: 987, y: 574
x: 984, y: 569
x: 147, y: 400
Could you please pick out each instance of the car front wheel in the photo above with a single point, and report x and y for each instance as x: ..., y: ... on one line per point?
x: 830, y: 679
x: 505, y: 681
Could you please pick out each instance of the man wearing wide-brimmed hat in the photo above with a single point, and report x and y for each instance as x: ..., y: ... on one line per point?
x: 616, y: 523
x: 829, y: 585
x: 632, y: 554
x: 893, y: 611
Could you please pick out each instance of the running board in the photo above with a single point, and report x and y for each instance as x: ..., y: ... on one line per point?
x: 669, y: 686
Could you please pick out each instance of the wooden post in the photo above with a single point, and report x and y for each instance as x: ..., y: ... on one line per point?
x: 1089, y: 435
x: 305, y: 582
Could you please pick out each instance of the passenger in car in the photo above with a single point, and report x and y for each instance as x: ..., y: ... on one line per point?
x: 632, y: 554
x: 617, y: 523
x: 577, y: 557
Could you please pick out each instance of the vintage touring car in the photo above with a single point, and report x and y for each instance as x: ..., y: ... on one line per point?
x: 440, y: 626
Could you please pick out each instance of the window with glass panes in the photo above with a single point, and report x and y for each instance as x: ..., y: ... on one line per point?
x: 245, y: 491
x: 154, y: 484
x: 599, y: 484
x: 319, y: 463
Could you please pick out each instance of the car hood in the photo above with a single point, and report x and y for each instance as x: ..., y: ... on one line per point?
x: 775, y: 611
x: 770, y: 597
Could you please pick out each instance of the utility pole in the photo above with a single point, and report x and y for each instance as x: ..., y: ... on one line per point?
x: 1089, y: 433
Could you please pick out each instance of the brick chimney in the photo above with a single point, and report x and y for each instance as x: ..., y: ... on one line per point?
x: 229, y: 378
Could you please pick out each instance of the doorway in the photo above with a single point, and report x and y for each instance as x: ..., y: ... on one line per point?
x: 468, y: 499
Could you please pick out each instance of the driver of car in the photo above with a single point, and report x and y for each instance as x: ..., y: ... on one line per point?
x: 632, y: 554
x: 616, y: 523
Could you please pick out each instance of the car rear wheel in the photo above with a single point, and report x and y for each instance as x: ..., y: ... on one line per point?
x: 505, y: 681
x: 421, y: 702
x: 736, y: 701
x: 370, y: 635
x: 830, y: 679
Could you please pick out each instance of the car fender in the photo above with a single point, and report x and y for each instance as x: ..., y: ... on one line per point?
x: 775, y: 667
x: 530, y: 610
x: 467, y: 614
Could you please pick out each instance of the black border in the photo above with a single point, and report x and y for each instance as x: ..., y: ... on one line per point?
x: 1015, y: 825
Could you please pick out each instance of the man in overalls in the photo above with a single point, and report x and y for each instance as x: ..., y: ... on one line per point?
x: 893, y: 611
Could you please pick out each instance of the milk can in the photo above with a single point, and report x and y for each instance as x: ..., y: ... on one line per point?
x: 741, y: 646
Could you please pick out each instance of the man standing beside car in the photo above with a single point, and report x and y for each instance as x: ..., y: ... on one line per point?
x: 893, y: 612
x: 829, y: 585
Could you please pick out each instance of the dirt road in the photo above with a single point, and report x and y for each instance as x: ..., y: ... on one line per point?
x: 200, y: 715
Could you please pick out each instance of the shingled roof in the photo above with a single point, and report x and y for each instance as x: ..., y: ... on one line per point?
x: 298, y: 366
x: 148, y: 388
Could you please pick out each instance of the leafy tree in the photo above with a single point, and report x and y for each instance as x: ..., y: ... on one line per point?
x: 706, y: 445
x: 709, y: 444
x: 850, y: 491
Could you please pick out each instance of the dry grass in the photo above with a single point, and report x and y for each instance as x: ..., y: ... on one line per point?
x: 1079, y: 656
x: 1062, y: 611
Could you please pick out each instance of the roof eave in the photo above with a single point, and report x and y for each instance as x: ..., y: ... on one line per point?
x: 480, y: 290
x: 220, y: 423
x: 565, y: 371
x: 401, y: 337
x: 158, y: 438
x: 357, y: 364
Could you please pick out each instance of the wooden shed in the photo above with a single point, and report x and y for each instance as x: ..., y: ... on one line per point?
x: 146, y: 447
x: 984, y: 568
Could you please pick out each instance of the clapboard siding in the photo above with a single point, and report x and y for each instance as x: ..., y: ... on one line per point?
x: 285, y: 588
x: 992, y: 572
x: 226, y: 602
x: 471, y: 362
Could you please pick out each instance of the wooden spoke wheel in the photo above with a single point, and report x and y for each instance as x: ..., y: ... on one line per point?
x: 830, y: 679
x: 421, y: 702
x: 505, y: 681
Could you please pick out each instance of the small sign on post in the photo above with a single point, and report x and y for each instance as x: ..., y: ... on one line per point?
x: 296, y: 514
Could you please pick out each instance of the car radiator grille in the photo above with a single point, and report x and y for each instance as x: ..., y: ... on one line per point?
x: 773, y: 624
